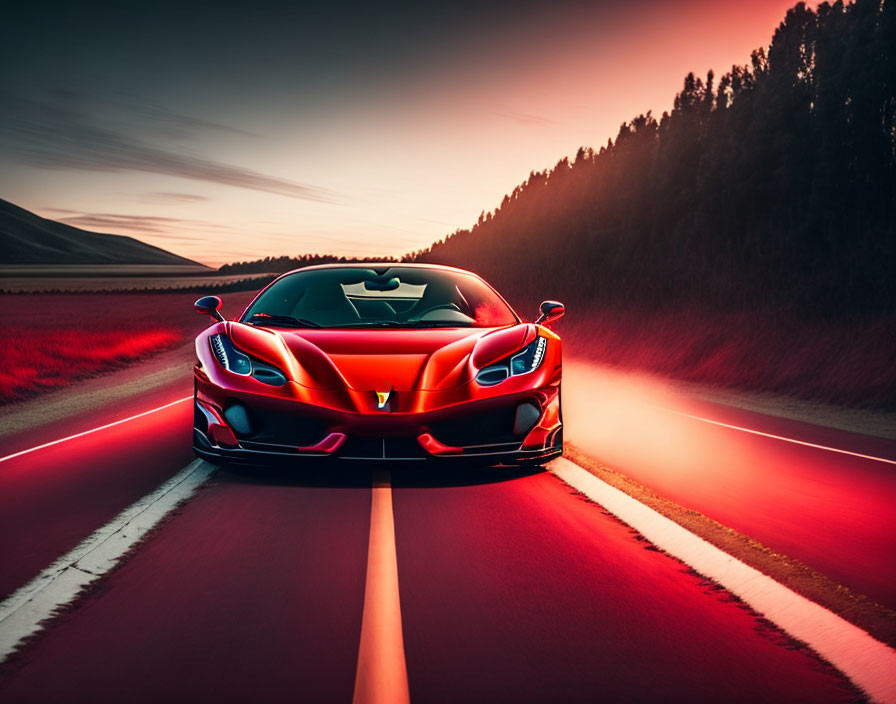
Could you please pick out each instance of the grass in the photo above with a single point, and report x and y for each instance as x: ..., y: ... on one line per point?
x: 48, y: 341
x: 848, y: 361
x: 132, y: 284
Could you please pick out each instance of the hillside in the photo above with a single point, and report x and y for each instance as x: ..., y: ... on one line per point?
x: 28, y: 239
x: 774, y: 186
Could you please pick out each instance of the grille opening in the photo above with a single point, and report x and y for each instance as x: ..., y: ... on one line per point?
x: 238, y: 419
x: 527, y: 415
x: 277, y: 427
x: 491, y: 426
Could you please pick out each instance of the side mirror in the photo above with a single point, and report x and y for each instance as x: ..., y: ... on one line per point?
x: 209, y: 305
x: 550, y: 311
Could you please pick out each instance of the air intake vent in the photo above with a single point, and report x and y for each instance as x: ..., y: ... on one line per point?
x: 527, y: 415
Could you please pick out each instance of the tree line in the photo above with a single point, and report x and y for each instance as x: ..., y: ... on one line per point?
x: 773, y: 185
x: 279, y: 265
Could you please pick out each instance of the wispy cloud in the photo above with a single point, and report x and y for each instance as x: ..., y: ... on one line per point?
x: 131, y: 224
x: 55, y: 136
x: 524, y: 118
x: 172, y: 197
x: 145, y: 116
x: 176, y: 123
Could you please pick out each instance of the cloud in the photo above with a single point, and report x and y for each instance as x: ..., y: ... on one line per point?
x: 178, y: 124
x: 524, y: 118
x: 55, y: 136
x: 173, y: 198
x: 145, y: 116
x: 129, y: 224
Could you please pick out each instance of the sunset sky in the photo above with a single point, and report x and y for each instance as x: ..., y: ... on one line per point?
x: 229, y: 131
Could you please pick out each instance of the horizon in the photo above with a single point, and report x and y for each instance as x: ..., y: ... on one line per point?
x: 375, y: 135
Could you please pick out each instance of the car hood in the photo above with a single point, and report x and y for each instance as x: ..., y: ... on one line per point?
x: 382, y: 359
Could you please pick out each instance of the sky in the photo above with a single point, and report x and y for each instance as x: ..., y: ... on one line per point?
x: 228, y: 131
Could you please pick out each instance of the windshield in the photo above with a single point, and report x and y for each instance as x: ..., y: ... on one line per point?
x: 355, y: 297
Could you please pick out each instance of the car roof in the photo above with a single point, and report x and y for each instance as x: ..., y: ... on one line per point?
x: 380, y: 265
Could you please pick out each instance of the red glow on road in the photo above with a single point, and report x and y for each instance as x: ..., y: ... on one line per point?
x: 814, y: 445
x: 54, y: 495
x: 545, y: 598
x: 93, y: 430
x: 829, y: 510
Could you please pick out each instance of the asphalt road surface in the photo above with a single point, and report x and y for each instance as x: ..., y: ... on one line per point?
x: 264, y: 585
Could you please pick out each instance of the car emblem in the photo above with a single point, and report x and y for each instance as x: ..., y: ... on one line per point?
x: 382, y: 398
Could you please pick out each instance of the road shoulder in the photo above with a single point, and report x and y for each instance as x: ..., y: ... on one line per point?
x: 858, y: 609
x: 97, y: 400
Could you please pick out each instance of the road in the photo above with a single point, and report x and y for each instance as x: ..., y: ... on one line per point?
x: 830, y: 510
x: 510, y: 586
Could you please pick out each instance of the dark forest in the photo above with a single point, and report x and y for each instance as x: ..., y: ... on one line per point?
x: 772, y: 185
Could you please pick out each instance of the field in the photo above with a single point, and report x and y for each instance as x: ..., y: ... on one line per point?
x: 847, y: 361
x: 47, y: 341
x: 126, y: 280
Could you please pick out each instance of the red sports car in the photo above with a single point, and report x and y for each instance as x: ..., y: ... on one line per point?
x: 378, y: 362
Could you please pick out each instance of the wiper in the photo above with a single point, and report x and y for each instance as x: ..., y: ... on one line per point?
x: 438, y: 324
x: 281, y: 320
x: 371, y: 324
x: 412, y: 324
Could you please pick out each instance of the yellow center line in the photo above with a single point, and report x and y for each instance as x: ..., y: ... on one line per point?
x: 382, y: 673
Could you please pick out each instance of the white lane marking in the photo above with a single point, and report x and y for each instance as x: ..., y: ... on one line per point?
x: 783, y: 438
x: 870, y: 664
x: 93, y: 430
x: 381, y: 676
x: 22, y: 613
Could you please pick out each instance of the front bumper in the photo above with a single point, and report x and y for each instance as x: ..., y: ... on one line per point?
x: 238, y: 427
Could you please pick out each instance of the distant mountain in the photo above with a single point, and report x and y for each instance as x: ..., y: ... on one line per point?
x: 26, y: 238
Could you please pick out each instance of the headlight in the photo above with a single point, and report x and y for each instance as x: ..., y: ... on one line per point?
x: 526, y: 360
x: 529, y: 358
x: 229, y: 356
x: 236, y: 361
